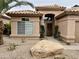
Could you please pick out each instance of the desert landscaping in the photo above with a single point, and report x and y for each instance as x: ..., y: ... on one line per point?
x: 33, y: 30
x: 19, y: 49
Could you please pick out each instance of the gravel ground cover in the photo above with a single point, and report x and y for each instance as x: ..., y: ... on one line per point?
x: 22, y: 50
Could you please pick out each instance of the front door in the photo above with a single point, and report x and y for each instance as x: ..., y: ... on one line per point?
x: 49, y: 29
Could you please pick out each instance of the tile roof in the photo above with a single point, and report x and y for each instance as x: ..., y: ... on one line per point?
x: 4, y: 16
x: 24, y: 12
x: 69, y: 11
x: 55, y: 6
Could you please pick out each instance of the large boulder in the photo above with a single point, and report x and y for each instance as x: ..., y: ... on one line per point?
x: 46, y: 48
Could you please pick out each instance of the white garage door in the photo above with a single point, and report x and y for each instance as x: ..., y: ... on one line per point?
x: 77, y: 31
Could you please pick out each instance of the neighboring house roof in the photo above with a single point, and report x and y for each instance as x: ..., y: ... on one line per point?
x: 4, y: 16
x: 71, y: 11
x: 50, y: 8
x: 28, y: 13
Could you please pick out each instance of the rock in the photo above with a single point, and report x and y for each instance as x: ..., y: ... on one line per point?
x: 46, y: 48
x: 59, y: 56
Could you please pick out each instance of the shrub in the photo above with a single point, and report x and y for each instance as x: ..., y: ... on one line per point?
x: 7, y: 29
x: 42, y: 30
x: 12, y: 47
x: 56, y: 33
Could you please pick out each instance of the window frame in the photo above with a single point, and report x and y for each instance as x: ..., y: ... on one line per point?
x: 25, y: 29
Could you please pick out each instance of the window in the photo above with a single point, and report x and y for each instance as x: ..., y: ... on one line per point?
x: 25, y: 19
x: 24, y: 27
x: 21, y: 27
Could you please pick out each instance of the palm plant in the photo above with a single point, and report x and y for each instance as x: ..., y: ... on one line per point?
x: 4, y: 5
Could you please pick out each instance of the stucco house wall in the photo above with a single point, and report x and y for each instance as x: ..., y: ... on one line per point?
x: 71, y: 16
x: 62, y: 23
x: 68, y: 28
x: 75, y: 27
x: 36, y: 29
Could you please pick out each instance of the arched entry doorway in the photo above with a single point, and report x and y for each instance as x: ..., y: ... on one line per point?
x: 49, y: 24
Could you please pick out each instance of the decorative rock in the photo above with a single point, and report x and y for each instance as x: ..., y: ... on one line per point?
x: 46, y: 48
x: 59, y: 56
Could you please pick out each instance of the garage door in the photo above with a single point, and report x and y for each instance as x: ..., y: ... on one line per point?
x: 77, y: 31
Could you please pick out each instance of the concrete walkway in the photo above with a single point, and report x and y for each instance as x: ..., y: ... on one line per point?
x: 52, y: 39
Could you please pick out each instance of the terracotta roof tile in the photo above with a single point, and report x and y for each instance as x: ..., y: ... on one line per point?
x: 52, y: 6
x: 69, y: 11
x: 24, y: 12
x: 55, y: 6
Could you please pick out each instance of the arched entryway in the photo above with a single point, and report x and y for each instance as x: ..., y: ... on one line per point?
x: 49, y: 24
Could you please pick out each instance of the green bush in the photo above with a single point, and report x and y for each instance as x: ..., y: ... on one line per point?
x: 42, y: 30
x: 7, y: 29
x: 12, y: 46
x: 56, y: 33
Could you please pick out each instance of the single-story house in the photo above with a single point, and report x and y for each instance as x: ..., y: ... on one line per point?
x: 26, y: 24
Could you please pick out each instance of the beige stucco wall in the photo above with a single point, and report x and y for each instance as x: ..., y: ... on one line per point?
x: 67, y: 28
x: 62, y: 23
x: 71, y: 29
x: 36, y: 29
x: 75, y: 27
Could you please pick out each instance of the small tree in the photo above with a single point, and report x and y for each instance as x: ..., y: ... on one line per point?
x: 76, y: 6
x: 5, y: 5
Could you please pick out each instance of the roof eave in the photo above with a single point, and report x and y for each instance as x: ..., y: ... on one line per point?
x: 50, y: 9
x: 24, y: 15
x: 65, y: 13
x: 5, y: 17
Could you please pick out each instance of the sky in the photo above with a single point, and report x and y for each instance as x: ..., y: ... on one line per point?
x: 65, y: 3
